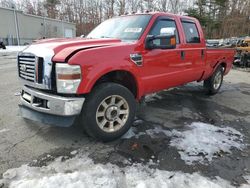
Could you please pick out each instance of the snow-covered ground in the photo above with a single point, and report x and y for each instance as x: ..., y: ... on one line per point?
x: 202, y: 142
x: 152, y: 97
x: 199, y: 142
x: 81, y: 172
x: 12, y: 49
x: 3, y: 130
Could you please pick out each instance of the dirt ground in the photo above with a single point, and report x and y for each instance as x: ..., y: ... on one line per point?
x: 22, y: 141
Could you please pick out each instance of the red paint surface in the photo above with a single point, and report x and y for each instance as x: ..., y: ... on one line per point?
x: 161, y: 69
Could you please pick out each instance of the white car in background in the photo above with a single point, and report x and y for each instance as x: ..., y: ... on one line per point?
x: 212, y: 43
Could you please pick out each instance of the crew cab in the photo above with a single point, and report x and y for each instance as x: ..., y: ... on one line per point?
x: 97, y: 80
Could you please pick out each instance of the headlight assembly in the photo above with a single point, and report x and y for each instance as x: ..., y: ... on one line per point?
x: 68, y: 78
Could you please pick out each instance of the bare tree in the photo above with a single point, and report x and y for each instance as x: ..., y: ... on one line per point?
x: 163, y: 5
x: 51, y: 6
x: 121, y: 6
x: 223, y: 18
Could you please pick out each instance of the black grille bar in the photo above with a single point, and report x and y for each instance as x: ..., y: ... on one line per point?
x: 26, y: 67
x: 40, y: 70
x: 30, y: 68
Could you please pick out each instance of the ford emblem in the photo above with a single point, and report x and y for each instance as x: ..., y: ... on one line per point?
x: 23, y: 68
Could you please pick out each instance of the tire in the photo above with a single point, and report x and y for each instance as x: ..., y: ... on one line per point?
x: 108, y: 105
x: 213, y: 83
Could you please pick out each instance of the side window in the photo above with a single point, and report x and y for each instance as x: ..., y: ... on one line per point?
x: 191, y: 32
x: 161, y: 24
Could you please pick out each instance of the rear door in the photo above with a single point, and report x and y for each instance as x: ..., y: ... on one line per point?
x: 193, y: 51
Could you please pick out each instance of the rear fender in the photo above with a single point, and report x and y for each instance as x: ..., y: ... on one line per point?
x: 211, y: 69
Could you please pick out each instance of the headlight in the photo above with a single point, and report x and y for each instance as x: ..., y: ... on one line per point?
x: 68, y: 77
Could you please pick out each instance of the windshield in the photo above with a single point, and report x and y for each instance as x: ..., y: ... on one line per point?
x: 124, y: 28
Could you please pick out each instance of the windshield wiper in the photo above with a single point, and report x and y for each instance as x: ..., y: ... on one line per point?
x: 106, y: 37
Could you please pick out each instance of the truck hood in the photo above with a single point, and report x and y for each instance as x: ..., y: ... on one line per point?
x: 61, y: 49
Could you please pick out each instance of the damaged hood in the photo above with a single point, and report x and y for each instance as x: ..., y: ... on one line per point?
x: 60, y: 49
x: 56, y: 50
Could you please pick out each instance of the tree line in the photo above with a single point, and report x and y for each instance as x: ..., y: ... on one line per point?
x: 223, y: 18
x: 219, y: 18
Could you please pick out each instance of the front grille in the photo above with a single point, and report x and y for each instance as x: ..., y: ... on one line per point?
x: 26, y: 67
x: 30, y: 68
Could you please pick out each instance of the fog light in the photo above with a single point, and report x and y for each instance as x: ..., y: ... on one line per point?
x: 48, y: 104
x: 73, y: 107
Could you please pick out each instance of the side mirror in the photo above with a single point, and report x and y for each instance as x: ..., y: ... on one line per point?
x: 160, y: 42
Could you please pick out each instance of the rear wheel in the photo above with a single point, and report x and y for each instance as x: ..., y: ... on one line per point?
x: 108, y: 112
x: 213, y: 83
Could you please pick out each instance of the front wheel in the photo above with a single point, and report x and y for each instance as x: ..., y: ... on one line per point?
x: 213, y: 83
x: 108, y: 112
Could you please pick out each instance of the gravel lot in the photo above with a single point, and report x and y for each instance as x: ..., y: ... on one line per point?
x: 23, y: 142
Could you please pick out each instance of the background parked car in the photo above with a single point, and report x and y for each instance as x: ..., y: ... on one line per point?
x: 212, y: 43
x: 242, y: 58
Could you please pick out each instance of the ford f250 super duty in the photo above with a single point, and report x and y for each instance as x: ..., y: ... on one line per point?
x: 98, y: 79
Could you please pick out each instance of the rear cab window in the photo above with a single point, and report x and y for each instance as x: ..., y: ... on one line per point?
x: 191, y: 32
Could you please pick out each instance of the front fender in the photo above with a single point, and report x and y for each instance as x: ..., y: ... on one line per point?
x: 95, y: 63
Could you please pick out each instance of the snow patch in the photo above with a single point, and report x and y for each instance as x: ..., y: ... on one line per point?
x: 246, y: 185
x: 131, y: 133
x: 4, y: 130
x: 247, y: 178
x: 199, y: 142
x: 153, y: 133
x: 152, y: 97
x: 82, y: 172
x: 137, y: 122
x: 74, y: 152
x: 202, y: 142
x: 13, y: 49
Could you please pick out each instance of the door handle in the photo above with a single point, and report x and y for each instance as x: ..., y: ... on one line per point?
x: 182, y: 55
x: 202, y: 54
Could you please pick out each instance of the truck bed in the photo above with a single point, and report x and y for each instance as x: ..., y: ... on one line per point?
x: 220, y: 55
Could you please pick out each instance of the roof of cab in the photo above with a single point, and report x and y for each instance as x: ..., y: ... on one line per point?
x: 161, y: 14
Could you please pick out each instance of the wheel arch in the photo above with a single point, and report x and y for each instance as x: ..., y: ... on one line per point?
x: 224, y: 65
x: 123, y: 77
x: 221, y: 63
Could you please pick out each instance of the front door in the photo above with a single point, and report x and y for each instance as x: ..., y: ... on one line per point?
x: 162, y: 68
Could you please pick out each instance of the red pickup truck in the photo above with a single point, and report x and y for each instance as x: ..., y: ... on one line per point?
x: 98, y: 79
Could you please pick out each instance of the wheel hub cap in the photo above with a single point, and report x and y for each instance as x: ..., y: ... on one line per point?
x: 112, y: 113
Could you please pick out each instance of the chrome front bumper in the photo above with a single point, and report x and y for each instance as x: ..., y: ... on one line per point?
x: 51, y: 104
